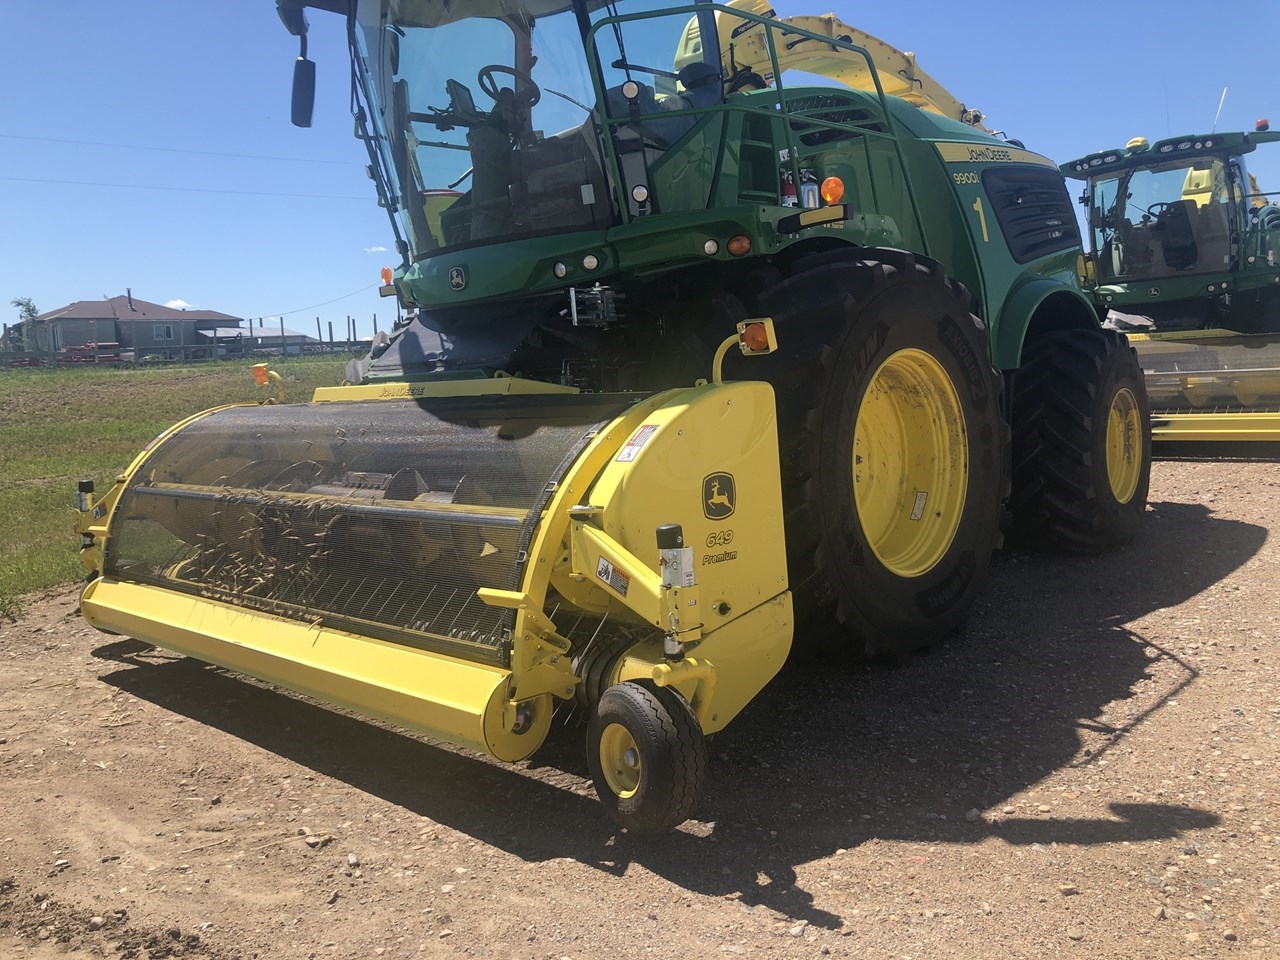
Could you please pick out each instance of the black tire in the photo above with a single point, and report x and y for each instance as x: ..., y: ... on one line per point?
x: 665, y: 785
x: 1066, y: 394
x: 840, y: 315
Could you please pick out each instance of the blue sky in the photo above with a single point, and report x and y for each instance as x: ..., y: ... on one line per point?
x: 105, y: 102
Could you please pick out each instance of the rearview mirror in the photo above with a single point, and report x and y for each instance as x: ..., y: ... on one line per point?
x: 304, y: 91
x: 294, y: 20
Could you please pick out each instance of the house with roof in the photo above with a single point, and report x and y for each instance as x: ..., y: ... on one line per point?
x: 138, y: 326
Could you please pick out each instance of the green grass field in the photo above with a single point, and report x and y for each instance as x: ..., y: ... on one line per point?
x: 59, y: 426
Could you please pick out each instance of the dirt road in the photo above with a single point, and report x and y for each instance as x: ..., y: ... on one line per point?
x: 1089, y: 772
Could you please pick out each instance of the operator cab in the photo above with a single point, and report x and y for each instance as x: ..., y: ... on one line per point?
x: 1166, y: 219
x: 487, y: 118
x: 1180, y: 208
x: 1182, y: 236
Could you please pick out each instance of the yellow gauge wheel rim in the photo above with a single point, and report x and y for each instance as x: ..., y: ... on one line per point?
x: 910, y: 462
x: 1124, y: 445
x: 620, y: 760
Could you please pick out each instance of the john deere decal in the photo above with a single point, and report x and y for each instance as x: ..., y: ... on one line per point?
x: 718, y: 496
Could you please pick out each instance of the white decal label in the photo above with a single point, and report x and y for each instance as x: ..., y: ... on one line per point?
x: 918, y: 510
x: 632, y: 448
x: 614, y: 577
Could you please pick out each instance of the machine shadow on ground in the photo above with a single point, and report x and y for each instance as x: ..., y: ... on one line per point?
x: 825, y: 758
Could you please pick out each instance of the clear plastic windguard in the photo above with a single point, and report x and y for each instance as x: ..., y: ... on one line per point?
x: 381, y: 518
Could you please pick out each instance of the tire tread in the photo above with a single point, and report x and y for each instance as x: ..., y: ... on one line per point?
x: 1057, y: 500
x: 671, y: 731
x: 824, y: 289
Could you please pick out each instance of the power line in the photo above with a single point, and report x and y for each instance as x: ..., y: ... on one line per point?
x: 148, y: 186
x: 285, y: 313
x: 201, y: 153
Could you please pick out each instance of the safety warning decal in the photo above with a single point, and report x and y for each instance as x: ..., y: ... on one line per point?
x: 614, y: 577
x: 632, y: 448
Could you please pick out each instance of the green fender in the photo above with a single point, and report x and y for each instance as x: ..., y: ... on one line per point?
x: 1035, y: 306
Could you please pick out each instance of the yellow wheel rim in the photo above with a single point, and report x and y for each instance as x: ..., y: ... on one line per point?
x: 620, y: 760
x: 910, y: 463
x: 1124, y: 445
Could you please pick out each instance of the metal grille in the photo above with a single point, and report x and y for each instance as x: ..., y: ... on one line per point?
x: 832, y: 109
x: 1033, y: 209
x: 382, y: 518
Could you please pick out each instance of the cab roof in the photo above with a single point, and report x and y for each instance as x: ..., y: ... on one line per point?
x: 1140, y: 153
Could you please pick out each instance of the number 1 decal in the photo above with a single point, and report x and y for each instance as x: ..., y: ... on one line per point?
x: 982, y: 219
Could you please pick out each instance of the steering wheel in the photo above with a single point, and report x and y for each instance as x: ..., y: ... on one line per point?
x: 1158, y: 208
x: 527, y: 92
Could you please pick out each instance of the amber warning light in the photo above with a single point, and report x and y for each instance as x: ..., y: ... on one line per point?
x: 388, y: 288
x: 265, y: 376
x: 753, y: 338
x: 832, y: 190
x: 757, y: 336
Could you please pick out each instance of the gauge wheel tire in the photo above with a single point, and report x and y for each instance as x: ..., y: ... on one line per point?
x: 878, y: 352
x: 1081, y: 443
x: 647, y: 756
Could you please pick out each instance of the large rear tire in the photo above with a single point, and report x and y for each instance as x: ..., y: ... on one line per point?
x: 1081, y: 443
x: 893, y: 449
x: 647, y: 756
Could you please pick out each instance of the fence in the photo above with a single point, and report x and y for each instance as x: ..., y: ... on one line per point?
x: 259, y: 339
x: 111, y: 355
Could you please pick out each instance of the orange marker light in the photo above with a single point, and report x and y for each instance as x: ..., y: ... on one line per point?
x: 755, y: 337
x: 260, y: 374
x: 740, y: 245
x: 832, y: 189
x: 386, y: 276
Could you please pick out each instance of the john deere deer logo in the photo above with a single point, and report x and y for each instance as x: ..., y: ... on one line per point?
x: 718, y: 496
x: 458, y: 278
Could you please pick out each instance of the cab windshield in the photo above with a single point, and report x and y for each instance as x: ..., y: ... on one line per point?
x: 1165, y: 220
x: 485, y: 114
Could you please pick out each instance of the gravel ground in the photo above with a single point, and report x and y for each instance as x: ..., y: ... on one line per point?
x: 1089, y: 772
